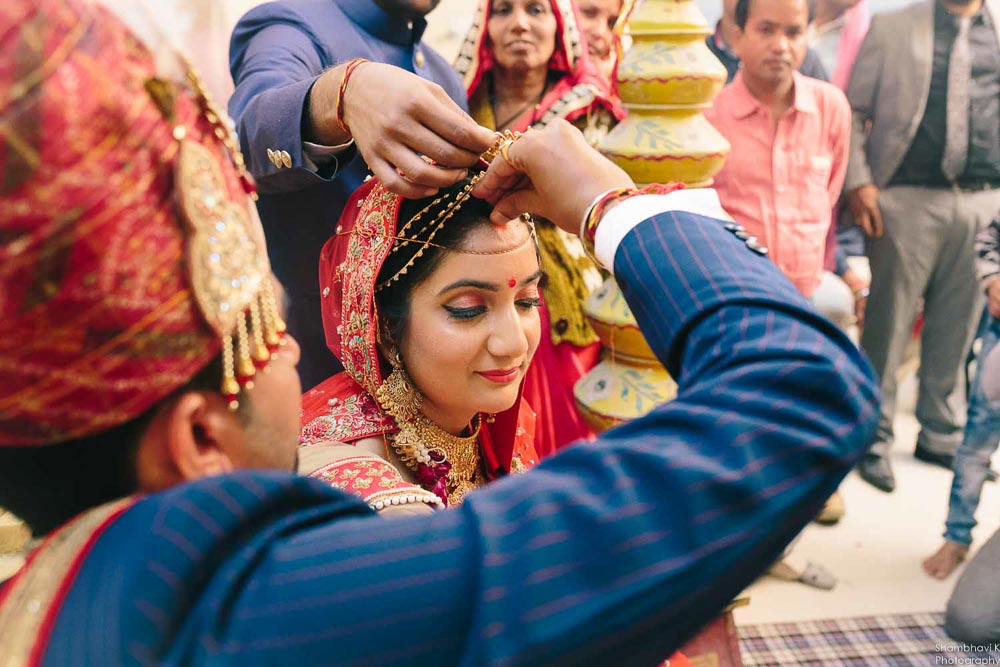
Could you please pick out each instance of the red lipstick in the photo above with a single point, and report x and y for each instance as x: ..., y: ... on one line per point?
x: 502, y: 376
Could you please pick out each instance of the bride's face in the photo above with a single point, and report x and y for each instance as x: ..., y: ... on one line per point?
x: 473, y: 326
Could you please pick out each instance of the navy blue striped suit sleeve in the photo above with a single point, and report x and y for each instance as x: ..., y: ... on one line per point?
x: 612, y: 552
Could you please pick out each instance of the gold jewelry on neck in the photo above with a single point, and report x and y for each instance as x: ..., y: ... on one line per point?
x: 423, y: 445
x: 422, y: 437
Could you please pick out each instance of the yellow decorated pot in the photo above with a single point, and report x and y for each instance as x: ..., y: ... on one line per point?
x: 679, y: 71
x: 667, y: 77
x: 666, y: 146
x: 615, y: 325
x: 656, y: 17
x: 669, y: 62
x: 613, y: 393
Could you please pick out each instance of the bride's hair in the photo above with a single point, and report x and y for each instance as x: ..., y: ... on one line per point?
x: 393, y: 300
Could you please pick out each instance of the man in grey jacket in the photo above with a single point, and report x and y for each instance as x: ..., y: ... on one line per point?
x: 922, y: 183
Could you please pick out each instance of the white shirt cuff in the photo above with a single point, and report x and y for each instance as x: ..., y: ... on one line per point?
x: 317, y: 155
x: 620, y: 220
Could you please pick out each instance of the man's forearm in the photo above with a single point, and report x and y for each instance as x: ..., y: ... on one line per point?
x: 275, y: 69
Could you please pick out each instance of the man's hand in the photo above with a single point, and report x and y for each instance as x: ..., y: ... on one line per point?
x: 863, y: 202
x: 396, y: 118
x: 559, y: 179
x: 993, y: 296
x: 859, y: 288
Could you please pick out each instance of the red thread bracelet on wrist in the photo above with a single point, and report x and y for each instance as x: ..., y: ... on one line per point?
x: 348, y: 71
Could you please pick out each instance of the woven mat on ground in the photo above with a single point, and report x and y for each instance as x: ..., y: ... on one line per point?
x: 899, y: 640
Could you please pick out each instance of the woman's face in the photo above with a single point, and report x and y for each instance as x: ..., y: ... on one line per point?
x: 597, y: 21
x: 523, y: 34
x: 473, y: 326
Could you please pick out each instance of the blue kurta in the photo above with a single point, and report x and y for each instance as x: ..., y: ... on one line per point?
x: 278, y: 51
x: 609, y: 553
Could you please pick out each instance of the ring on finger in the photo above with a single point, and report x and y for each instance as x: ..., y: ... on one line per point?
x: 513, y: 162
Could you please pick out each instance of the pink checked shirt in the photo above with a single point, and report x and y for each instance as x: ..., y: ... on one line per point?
x: 782, y: 185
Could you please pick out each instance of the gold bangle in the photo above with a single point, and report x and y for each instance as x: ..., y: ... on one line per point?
x: 588, y: 231
x: 585, y: 223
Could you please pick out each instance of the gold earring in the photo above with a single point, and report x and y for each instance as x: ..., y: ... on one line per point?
x: 397, y: 395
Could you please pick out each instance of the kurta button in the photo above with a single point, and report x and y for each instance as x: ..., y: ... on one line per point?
x: 561, y: 326
x: 419, y: 59
x: 286, y: 159
x: 326, y: 292
x: 741, y: 235
x: 733, y: 227
x: 270, y: 156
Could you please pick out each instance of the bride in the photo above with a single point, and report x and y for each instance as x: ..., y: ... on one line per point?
x: 433, y: 310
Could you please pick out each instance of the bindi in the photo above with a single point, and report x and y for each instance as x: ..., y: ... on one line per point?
x: 511, y: 283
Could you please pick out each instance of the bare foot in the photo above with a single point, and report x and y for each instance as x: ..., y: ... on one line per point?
x: 947, y: 558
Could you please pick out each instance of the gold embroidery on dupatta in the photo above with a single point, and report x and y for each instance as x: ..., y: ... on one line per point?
x: 366, y: 251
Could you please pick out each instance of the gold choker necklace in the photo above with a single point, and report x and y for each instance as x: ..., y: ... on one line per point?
x: 445, y: 464
x: 422, y: 444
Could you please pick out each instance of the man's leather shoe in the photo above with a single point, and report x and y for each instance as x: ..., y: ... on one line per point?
x: 945, y: 461
x: 876, y: 471
x: 934, y: 458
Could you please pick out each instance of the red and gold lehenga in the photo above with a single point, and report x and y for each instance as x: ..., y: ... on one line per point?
x: 345, y: 409
x: 577, y: 93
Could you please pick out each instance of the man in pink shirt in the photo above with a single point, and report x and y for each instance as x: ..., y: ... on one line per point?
x: 790, y: 136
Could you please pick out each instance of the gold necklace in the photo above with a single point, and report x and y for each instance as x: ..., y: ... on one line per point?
x: 422, y: 444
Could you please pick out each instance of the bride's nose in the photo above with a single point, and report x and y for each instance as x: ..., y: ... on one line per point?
x: 508, y: 338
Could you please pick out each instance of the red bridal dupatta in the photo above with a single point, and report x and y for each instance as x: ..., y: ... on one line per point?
x: 343, y: 408
x: 579, y: 91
